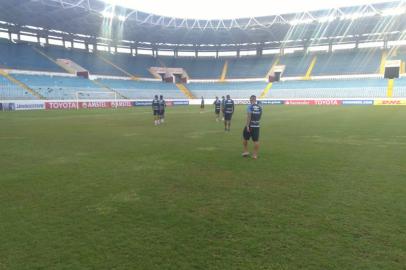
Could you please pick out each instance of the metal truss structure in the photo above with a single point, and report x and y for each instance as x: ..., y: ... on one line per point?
x: 93, y: 20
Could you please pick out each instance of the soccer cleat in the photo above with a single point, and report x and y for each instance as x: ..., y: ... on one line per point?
x: 245, y: 154
x: 254, y: 157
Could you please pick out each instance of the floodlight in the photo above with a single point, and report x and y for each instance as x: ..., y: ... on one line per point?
x: 357, y: 15
x: 304, y: 21
x: 107, y: 15
x: 326, y: 19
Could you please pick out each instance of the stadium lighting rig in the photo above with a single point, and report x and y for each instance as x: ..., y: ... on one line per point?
x: 351, y: 16
x: 107, y: 15
x: 297, y: 22
x: 112, y: 15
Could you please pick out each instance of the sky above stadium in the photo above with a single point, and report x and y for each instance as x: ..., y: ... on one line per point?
x: 228, y: 9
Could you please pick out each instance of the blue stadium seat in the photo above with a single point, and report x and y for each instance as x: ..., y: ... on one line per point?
x: 87, y: 60
x: 249, y: 67
x: 23, y: 56
x: 234, y: 89
x: 355, y: 88
x: 11, y: 91
x: 296, y: 64
x: 143, y: 89
x: 197, y: 68
x: 61, y: 87
x: 362, y: 61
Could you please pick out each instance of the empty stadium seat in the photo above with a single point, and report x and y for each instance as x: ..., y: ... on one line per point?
x: 143, y: 89
x: 23, y: 56
x: 361, y: 61
x: 61, y: 87
x: 11, y: 91
x: 357, y: 88
x: 234, y: 89
x: 197, y: 68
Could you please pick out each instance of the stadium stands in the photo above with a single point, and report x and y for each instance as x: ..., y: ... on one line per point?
x: 134, y: 65
x: 356, y: 61
x: 296, y: 65
x: 400, y: 88
x: 61, y: 87
x: 23, y: 56
x: 348, y: 62
x: 356, y: 88
x: 362, y: 61
x: 197, y: 68
x: 235, y: 89
x: 89, y: 61
x: 143, y: 89
x: 9, y: 90
x: 249, y: 67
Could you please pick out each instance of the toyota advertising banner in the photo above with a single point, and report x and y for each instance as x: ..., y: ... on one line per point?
x: 58, y: 105
x: 323, y: 102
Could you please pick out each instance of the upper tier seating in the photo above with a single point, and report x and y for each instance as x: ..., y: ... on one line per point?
x: 89, y: 61
x: 196, y: 68
x: 143, y: 89
x: 296, y: 65
x: 23, y: 56
x: 346, y: 62
x: 356, y: 88
x: 249, y: 67
x: 135, y: 65
x: 362, y: 61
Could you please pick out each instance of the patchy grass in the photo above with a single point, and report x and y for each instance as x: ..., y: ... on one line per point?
x: 105, y: 189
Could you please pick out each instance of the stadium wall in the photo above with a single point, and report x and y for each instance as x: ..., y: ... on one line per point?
x: 27, y: 105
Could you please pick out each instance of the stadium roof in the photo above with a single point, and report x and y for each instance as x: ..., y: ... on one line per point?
x: 226, y: 9
x: 95, y: 18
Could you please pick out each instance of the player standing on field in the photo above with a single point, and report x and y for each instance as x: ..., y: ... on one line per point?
x: 162, y: 106
x: 155, y: 109
x: 222, y: 107
x: 251, y: 129
x: 202, y: 103
x: 217, y: 108
x: 228, y: 112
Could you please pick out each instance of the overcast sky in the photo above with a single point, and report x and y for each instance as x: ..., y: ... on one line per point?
x: 226, y: 9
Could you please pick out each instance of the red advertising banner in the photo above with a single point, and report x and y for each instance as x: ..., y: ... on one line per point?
x: 299, y: 102
x: 82, y: 105
x: 328, y: 102
x: 323, y: 102
x: 60, y: 105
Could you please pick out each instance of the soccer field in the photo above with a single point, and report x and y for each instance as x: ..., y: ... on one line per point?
x: 105, y: 189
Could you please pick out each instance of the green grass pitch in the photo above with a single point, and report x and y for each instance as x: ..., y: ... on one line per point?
x: 105, y: 189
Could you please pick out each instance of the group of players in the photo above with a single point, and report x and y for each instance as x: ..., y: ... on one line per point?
x: 158, y: 108
x: 225, y: 107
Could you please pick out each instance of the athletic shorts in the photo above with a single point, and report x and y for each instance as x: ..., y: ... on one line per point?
x: 217, y: 111
x: 228, y: 116
x: 161, y: 113
x: 156, y: 112
x: 253, y: 134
